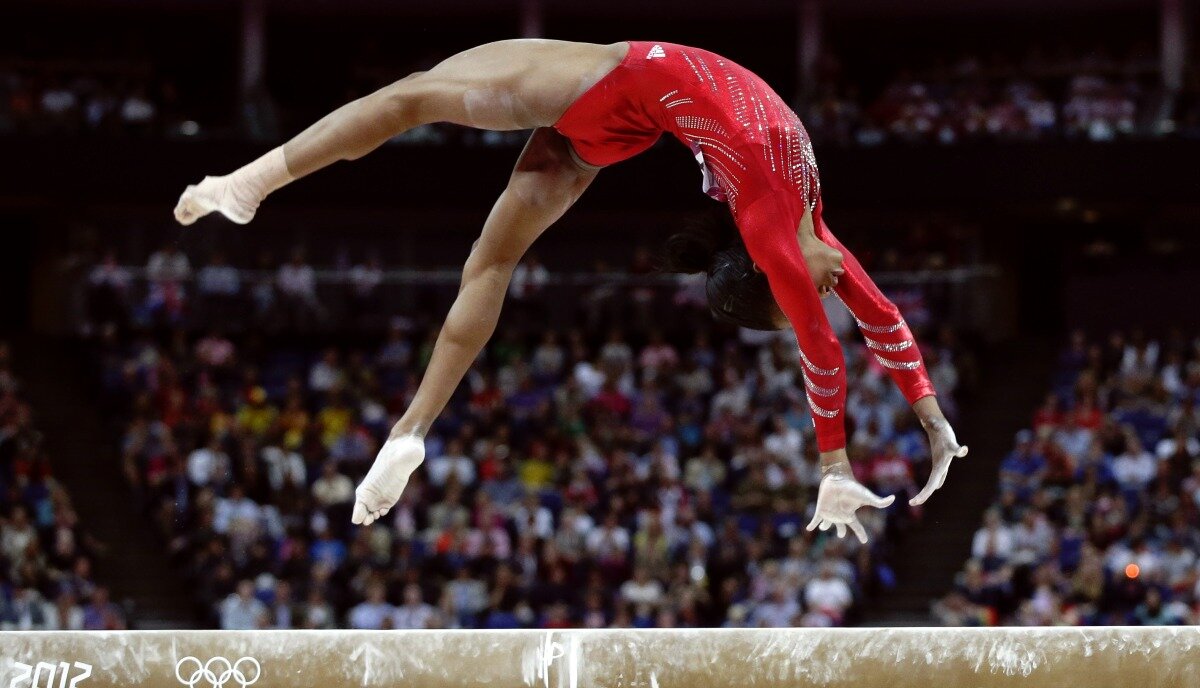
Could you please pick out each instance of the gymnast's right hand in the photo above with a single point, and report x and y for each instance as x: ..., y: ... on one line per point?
x: 381, y: 489
x: 222, y: 194
x: 840, y: 497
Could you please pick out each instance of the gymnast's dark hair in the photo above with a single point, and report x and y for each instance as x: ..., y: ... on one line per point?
x: 737, y: 292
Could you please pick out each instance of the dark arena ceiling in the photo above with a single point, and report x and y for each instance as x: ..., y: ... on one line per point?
x: 692, y: 9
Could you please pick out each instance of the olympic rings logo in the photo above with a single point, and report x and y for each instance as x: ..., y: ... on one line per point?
x: 217, y: 671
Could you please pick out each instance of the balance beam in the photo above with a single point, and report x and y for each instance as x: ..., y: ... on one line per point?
x: 695, y: 658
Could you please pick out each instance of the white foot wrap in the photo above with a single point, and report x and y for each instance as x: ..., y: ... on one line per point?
x: 381, y: 489
x: 236, y: 195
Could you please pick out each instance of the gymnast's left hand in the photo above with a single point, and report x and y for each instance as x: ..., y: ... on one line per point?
x: 840, y: 497
x: 943, y: 448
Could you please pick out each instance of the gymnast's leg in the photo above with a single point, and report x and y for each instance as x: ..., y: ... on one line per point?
x: 503, y: 86
x: 545, y: 183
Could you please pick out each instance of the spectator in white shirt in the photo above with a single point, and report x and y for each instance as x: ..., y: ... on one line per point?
x: 415, y: 613
x: 453, y: 462
x: 642, y: 589
x: 219, y: 278
x: 528, y: 278
x: 785, y: 442
x: 828, y: 594
x: 531, y: 518
x: 137, y: 110
x: 332, y: 487
x: 994, y: 540
x: 1032, y: 538
x: 208, y: 465
x: 373, y: 613
x: 15, y: 535
x: 778, y: 610
x: 1135, y: 467
x: 365, y: 299
x: 1180, y: 442
x: 239, y: 517
x: 284, y: 468
x: 549, y: 359
x: 297, y: 282
x: 242, y: 611
x: 326, y: 374
x: 167, y: 271
x: 608, y: 542
x: 108, y: 274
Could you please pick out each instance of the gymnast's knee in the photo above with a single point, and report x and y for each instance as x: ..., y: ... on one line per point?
x: 407, y: 101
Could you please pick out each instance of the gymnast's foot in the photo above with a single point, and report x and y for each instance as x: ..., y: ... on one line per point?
x: 221, y: 194
x: 237, y: 195
x: 381, y: 489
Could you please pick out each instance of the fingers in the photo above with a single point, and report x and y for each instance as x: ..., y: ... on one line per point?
x: 854, y: 524
x: 869, y: 498
x: 922, y: 495
x: 360, y: 515
x: 937, y: 478
x: 859, y: 531
x: 815, y: 520
x: 364, y: 516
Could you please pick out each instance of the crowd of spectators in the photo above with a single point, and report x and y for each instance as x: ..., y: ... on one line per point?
x: 1087, y: 96
x: 76, y: 96
x: 1098, y: 516
x: 580, y: 477
x: 46, y: 580
x: 347, y: 289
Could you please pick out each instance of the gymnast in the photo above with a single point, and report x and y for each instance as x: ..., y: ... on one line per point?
x: 590, y: 106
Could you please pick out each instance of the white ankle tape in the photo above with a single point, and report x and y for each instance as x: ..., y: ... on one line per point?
x: 264, y: 175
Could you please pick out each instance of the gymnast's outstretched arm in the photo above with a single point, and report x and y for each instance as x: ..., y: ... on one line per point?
x: 545, y: 183
x: 888, y: 338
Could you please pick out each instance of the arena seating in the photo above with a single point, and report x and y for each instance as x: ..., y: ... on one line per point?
x: 46, y: 579
x: 589, y: 476
x: 1097, y: 518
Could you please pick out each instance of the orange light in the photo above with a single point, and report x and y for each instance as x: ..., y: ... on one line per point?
x: 1132, y: 571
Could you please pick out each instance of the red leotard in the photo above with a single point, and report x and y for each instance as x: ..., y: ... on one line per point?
x: 755, y: 155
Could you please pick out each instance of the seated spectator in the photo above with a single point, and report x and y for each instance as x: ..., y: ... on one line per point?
x: 297, y: 285
x: 167, y: 271
x: 102, y: 615
x: 373, y: 612
x: 828, y: 594
x: 452, y: 464
x: 332, y: 488
x: 242, y: 611
x: 993, y: 543
x: 415, y: 613
x: 641, y: 589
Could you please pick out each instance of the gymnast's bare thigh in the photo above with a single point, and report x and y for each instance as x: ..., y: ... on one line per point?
x: 515, y: 84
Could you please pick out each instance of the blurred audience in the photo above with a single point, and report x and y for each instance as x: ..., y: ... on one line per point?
x: 45, y: 555
x: 1098, y: 516
x: 579, y: 478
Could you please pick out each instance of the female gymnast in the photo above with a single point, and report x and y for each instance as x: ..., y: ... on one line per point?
x: 590, y: 106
